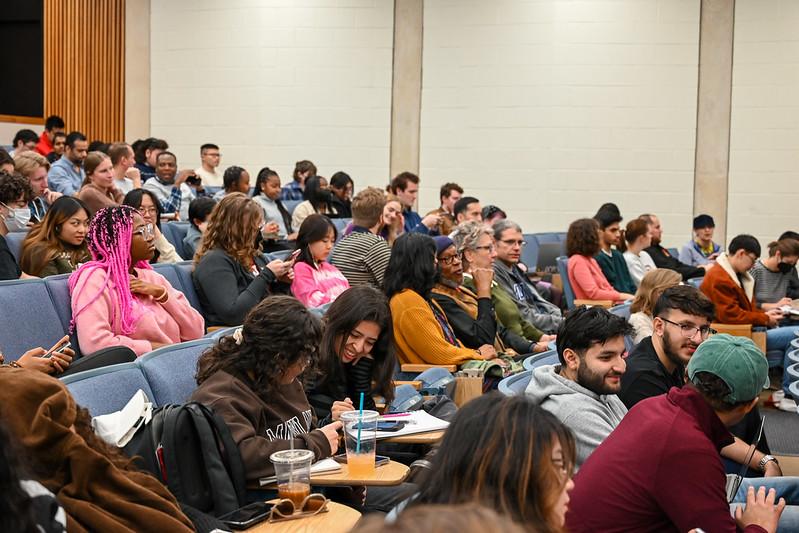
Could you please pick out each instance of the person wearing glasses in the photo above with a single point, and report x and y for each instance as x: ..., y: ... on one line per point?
x: 147, y: 204
x: 731, y: 288
x: 660, y: 470
x: 533, y: 307
x: 117, y: 299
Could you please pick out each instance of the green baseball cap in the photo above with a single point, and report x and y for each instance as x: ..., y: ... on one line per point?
x: 737, y: 361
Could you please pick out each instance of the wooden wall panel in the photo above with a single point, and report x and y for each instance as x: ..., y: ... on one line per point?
x: 84, y: 66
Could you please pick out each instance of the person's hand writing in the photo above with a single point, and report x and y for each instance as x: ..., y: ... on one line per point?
x: 331, y: 432
x: 341, y: 407
x: 760, y: 510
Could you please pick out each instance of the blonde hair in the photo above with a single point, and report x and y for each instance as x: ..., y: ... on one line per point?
x: 27, y: 162
x: 367, y: 207
x: 90, y: 164
x: 232, y: 228
x: 652, y: 286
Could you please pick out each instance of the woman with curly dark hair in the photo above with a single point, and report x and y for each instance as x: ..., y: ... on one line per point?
x: 15, y: 193
x: 585, y: 275
x: 250, y: 379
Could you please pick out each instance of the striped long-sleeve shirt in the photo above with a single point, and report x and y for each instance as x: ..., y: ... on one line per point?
x: 362, y: 257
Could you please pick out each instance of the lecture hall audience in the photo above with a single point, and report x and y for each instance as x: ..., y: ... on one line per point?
x: 641, y: 310
x: 317, y: 197
x: 147, y: 204
x: 34, y: 167
x: 638, y: 238
x: 98, y: 190
x: 341, y: 187
x: 53, y: 126
x: 210, y: 159
x: 663, y: 258
x: 294, y: 190
x: 449, y: 194
x: 701, y: 250
x: 66, y: 175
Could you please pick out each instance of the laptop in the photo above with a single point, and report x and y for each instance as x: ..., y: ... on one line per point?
x: 548, y: 252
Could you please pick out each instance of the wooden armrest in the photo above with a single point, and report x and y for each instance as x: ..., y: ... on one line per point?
x: 738, y: 330
x: 607, y: 304
x: 410, y: 367
x: 415, y: 384
x: 214, y: 328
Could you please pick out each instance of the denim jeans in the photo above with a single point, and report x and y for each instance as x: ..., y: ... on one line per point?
x: 778, y: 342
x: 786, y: 487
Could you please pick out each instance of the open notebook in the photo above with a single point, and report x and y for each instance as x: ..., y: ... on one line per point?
x: 416, y: 422
x: 319, y: 467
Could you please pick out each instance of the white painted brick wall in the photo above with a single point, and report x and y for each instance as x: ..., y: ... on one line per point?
x: 549, y: 108
x: 764, y: 138
x: 275, y: 81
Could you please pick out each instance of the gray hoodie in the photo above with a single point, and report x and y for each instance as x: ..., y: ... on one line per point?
x: 590, y: 416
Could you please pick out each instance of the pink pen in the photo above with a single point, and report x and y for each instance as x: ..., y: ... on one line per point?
x: 396, y: 415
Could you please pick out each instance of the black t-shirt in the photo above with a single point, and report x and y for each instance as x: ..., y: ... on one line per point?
x: 646, y: 376
x: 9, y: 269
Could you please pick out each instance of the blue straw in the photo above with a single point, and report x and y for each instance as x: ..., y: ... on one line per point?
x: 360, y: 425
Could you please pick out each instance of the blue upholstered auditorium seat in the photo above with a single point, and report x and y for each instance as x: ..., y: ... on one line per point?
x: 563, y: 270
x: 290, y: 206
x: 58, y: 287
x: 28, y: 318
x: 515, y: 384
x: 14, y: 241
x: 170, y: 370
x: 184, y: 270
x: 550, y: 357
x: 107, y: 389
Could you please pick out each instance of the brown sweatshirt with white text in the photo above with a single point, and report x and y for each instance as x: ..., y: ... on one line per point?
x: 262, y: 426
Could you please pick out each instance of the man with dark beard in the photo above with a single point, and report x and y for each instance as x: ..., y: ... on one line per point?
x: 581, y: 390
x: 682, y: 317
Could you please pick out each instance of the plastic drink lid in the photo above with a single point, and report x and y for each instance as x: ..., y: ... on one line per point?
x: 291, y: 456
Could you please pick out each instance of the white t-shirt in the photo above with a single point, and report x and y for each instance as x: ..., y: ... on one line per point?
x: 214, y: 179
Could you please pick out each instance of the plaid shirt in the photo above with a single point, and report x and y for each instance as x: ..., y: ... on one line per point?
x: 292, y: 191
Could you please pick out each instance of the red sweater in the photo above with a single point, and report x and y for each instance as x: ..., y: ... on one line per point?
x: 44, y: 146
x: 733, y: 306
x: 588, y: 281
x: 658, y: 471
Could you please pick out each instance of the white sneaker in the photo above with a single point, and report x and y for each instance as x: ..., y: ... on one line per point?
x: 787, y: 404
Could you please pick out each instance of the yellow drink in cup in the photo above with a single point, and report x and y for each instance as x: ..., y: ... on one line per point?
x: 359, y: 438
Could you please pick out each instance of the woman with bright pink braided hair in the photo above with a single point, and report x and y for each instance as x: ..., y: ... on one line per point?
x: 117, y: 299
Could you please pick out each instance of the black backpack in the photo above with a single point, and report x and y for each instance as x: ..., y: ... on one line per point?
x: 190, y: 449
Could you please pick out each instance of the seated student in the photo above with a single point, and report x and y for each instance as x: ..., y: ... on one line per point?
x: 473, y: 463
x: 34, y: 167
x: 146, y: 152
x: 97, y: 486
x: 448, y: 194
x: 581, y: 390
x: 586, y: 278
x: 611, y: 260
x: 341, y: 199
x: 661, y: 256
x: 59, y: 143
x: 302, y: 171
x: 172, y: 188
x: 731, y: 288
x: 701, y: 250
x: 15, y: 192
x: 362, y: 256
x: 509, y: 241
x: 468, y: 517
x: 250, y: 379
x: 57, y: 245
x: 235, y: 179
x: 492, y: 213
x: 117, y: 299
x: 660, y: 469
x: 638, y: 261
x: 98, y: 188
x: 356, y: 354
x: 774, y: 275
x: 317, y: 200
x: 24, y: 141
x: 230, y: 274
x: 66, y: 175
x: 652, y: 286
x: 278, y: 231
x: 471, y: 313
x: 467, y: 209
x: 405, y: 186
x: 316, y: 282
x: 6, y: 162
x: 392, y: 221
x: 475, y: 243
x: 199, y: 210
x: 422, y: 333
x: 147, y: 204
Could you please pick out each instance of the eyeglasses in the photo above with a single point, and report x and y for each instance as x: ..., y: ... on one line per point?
x: 489, y: 247
x: 512, y: 242
x: 449, y: 260
x: 145, y: 231
x: 148, y: 210
x: 285, y: 509
x: 689, y: 331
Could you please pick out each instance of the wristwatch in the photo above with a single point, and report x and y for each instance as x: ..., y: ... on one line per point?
x: 765, y: 460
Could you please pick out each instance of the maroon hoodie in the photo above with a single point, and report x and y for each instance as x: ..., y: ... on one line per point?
x: 658, y: 471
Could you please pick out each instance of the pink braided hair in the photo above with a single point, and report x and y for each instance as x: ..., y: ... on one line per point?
x: 109, y: 237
